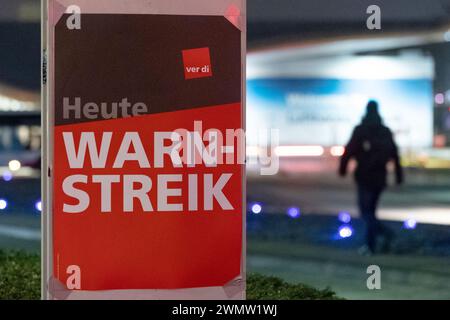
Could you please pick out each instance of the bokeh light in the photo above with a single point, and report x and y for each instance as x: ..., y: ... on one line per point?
x: 256, y: 208
x: 7, y: 176
x: 410, y: 224
x: 337, y: 151
x: 3, y: 204
x: 14, y: 165
x: 38, y: 205
x: 439, y: 98
x: 293, y: 212
x: 344, y: 217
x: 345, y: 232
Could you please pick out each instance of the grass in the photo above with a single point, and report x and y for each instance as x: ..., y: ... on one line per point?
x: 261, y: 287
x: 20, y: 279
x: 20, y: 276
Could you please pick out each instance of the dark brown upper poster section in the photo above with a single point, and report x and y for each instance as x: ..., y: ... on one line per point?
x: 139, y: 57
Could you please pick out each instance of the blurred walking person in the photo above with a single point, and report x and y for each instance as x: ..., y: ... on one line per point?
x: 372, y: 146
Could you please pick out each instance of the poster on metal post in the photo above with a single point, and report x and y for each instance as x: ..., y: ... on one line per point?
x: 144, y: 149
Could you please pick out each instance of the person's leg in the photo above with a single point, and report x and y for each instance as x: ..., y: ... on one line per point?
x: 373, y: 196
x: 365, y: 202
x: 381, y: 229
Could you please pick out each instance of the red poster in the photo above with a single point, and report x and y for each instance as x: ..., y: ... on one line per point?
x: 145, y: 150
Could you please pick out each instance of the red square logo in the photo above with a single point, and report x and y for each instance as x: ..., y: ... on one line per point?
x: 197, y: 63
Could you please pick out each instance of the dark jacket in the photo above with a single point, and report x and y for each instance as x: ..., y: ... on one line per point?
x: 373, y: 146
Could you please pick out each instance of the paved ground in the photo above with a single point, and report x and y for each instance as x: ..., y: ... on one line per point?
x: 308, y: 250
x: 315, y: 187
x: 20, y: 220
x: 20, y: 232
x: 402, y: 277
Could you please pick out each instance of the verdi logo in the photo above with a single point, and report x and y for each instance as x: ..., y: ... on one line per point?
x: 197, y: 63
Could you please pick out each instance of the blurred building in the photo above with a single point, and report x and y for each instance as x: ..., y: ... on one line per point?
x: 312, y: 67
x: 19, y: 81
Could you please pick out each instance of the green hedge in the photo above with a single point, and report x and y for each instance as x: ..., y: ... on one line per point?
x: 20, y: 276
x: 20, y: 279
x: 261, y: 287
